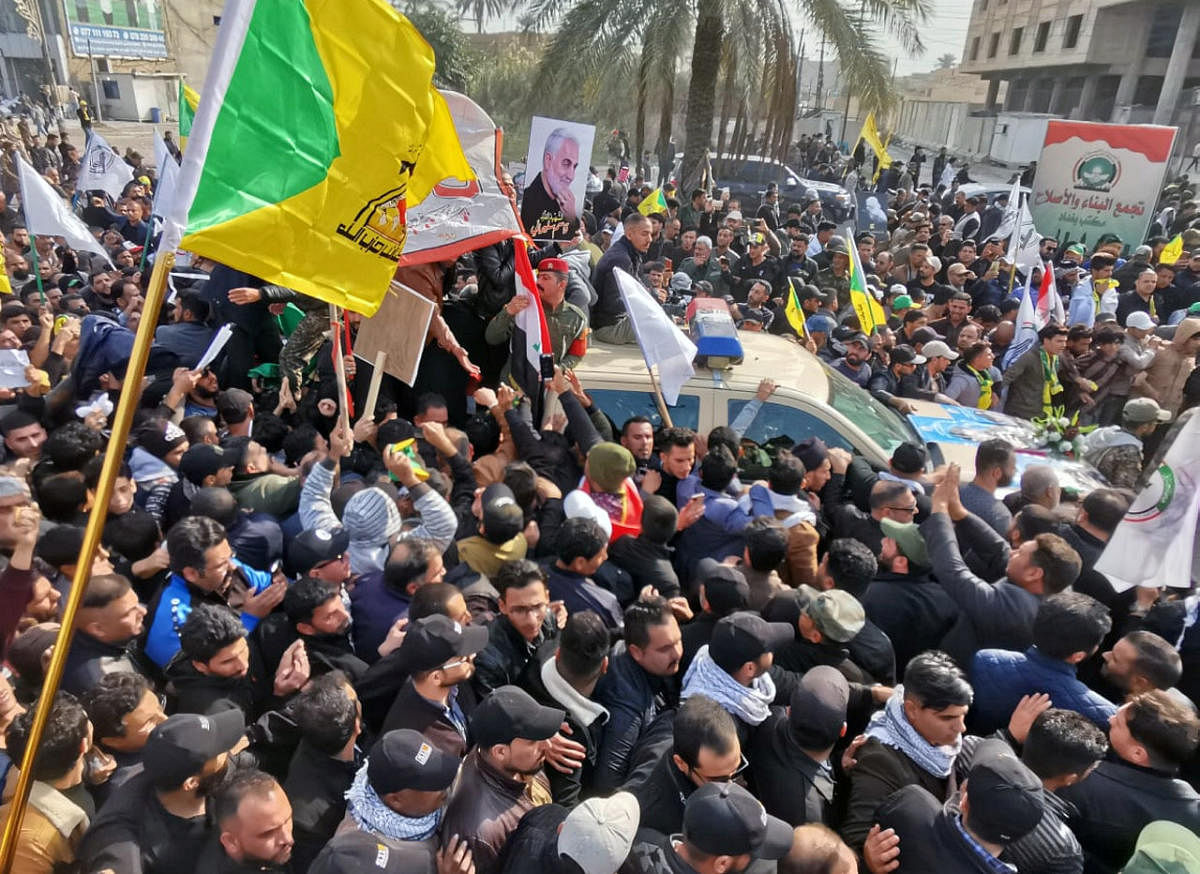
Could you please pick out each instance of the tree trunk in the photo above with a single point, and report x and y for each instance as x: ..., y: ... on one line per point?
x: 639, y: 125
x: 702, y: 92
x: 666, y: 113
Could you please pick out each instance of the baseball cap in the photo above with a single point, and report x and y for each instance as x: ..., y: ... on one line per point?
x: 404, y: 759
x: 908, y: 540
x: 314, y: 546
x: 935, y: 262
x: 203, y: 460
x: 598, y: 834
x: 910, y: 457
x: 743, y: 637
x: 13, y: 487
x: 902, y: 302
x: 179, y: 747
x: 1005, y: 797
x: 680, y: 282
x: 503, y: 518
x: 1140, y: 411
x: 858, y: 337
x: 359, y: 852
x: 837, y: 614
x: 734, y: 214
x: 509, y: 713
x: 723, y: 819
x: 725, y: 587
x: 957, y: 267
x: 938, y: 349
x: 553, y: 265
x: 819, y: 323
x: 1165, y: 848
x: 1139, y: 320
x: 818, y: 707
x: 432, y: 641
x: 754, y: 240
x: 903, y: 354
x: 925, y: 335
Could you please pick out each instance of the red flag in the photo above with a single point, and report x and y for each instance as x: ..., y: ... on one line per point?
x: 530, y: 337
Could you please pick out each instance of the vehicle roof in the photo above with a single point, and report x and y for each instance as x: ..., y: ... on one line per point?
x: 972, y: 188
x: 789, y: 363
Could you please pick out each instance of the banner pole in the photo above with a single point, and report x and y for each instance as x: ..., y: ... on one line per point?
x: 37, y: 272
x: 658, y: 398
x: 339, y: 366
x: 131, y: 392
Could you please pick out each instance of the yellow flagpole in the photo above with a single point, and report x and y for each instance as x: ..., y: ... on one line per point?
x: 131, y: 392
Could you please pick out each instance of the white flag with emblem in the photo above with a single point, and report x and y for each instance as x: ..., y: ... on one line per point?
x: 103, y: 169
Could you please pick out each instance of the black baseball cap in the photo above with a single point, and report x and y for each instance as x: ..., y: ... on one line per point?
x: 925, y: 335
x: 860, y: 338
x: 204, y: 460
x: 903, y: 354
x: 509, y: 713
x: 725, y: 587
x: 179, y: 747
x: 723, y: 819
x: 314, y: 546
x: 503, y: 518
x: 1006, y: 798
x: 432, y: 641
x: 818, y: 713
x: 358, y: 852
x: 404, y: 759
x: 744, y: 636
x: 910, y: 458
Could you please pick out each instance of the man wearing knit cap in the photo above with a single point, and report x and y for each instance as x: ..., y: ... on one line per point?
x: 565, y: 321
x: 607, y: 483
x: 594, y: 837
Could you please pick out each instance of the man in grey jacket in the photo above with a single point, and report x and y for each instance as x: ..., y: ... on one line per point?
x: 998, y: 615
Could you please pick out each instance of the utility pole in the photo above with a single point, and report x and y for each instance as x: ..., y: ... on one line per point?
x: 821, y: 75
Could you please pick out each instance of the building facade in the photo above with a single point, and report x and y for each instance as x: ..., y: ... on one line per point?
x: 1095, y: 60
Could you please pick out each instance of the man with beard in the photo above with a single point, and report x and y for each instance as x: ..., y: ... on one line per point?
x: 319, y: 617
x: 854, y: 363
x: 995, y: 467
x: 501, y: 779
x: 549, y: 207
x: 157, y: 823
x: 437, y: 700
x: 254, y: 827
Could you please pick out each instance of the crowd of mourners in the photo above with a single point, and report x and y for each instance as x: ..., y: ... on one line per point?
x: 442, y: 636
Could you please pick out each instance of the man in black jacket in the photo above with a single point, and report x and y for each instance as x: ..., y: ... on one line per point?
x: 705, y: 750
x: 254, y: 827
x: 647, y: 557
x: 610, y: 320
x: 324, y: 764
x: 1151, y: 736
x: 563, y: 675
x: 641, y: 682
x: 789, y: 754
x: 524, y: 624
x: 108, y: 622
x: 722, y: 590
x: 1000, y: 802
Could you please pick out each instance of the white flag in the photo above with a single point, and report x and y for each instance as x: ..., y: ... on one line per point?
x: 103, y: 169
x: 168, y: 177
x: 1024, y: 244
x: 48, y: 214
x: 660, y: 338
x: 1027, y: 327
x: 1152, y: 545
x: 1012, y: 210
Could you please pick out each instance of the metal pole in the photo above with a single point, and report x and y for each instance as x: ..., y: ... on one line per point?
x: 131, y: 392
x: 95, y: 82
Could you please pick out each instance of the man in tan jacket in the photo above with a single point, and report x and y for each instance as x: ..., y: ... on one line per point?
x: 1163, y: 380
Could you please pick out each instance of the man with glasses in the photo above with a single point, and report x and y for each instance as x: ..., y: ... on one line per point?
x: 525, y: 623
x: 437, y: 700
x: 705, y: 749
x: 888, y: 500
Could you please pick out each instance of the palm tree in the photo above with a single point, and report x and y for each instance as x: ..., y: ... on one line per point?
x: 482, y: 10
x: 946, y: 61
x: 748, y: 45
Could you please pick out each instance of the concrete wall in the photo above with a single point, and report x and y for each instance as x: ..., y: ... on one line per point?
x: 937, y: 123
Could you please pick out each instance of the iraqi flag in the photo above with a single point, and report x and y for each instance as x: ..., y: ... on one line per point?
x: 530, y: 340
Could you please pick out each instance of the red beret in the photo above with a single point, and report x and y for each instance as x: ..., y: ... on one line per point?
x: 554, y: 265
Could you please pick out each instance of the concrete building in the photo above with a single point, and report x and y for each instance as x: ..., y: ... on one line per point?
x: 1096, y: 60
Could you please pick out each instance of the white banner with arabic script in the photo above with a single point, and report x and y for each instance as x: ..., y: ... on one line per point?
x: 1096, y: 179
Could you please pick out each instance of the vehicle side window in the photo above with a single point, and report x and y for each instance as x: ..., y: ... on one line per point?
x: 775, y: 421
x: 621, y: 404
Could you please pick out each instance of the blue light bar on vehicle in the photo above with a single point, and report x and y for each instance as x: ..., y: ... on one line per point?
x: 711, y: 327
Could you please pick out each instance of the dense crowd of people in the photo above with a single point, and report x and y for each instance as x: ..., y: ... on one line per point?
x: 442, y: 636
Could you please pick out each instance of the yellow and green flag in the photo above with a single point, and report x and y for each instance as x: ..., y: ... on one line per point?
x: 870, y: 134
x: 319, y: 127
x: 189, y: 101
x: 1172, y: 252
x: 653, y: 202
x: 869, y: 311
x: 793, y: 310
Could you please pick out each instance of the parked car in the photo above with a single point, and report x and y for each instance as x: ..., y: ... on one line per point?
x: 990, y: 190
x: 747, y: 178
x: 814, y: 401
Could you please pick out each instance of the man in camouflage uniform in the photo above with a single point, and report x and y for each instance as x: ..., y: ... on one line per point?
x: 304, y: 341
x: 837, y: 275
x: 566, y: 322
x: 1116, y: 451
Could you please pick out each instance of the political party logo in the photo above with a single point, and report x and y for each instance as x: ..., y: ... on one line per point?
x: 380, y: 227
x: 1098, y: 171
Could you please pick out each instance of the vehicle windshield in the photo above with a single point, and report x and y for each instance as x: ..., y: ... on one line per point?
x: 887, y: 428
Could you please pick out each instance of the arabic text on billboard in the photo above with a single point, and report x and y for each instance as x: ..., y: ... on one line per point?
x: 1096, y: 179
x: 116, y: 28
